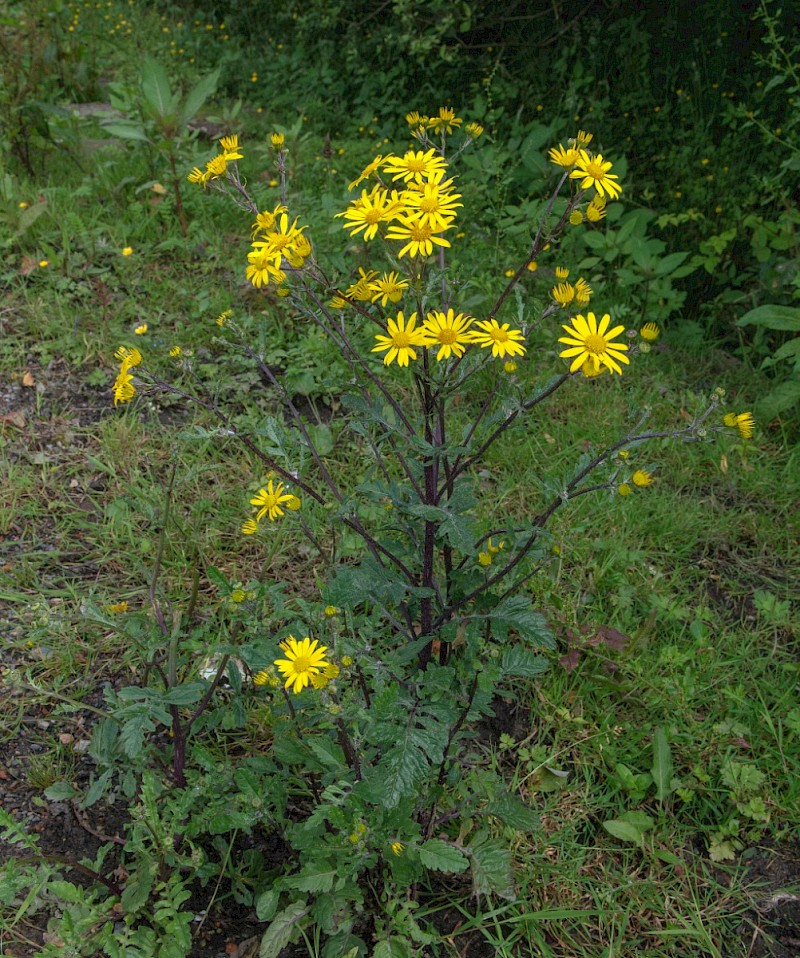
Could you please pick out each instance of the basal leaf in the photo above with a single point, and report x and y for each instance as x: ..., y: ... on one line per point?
x: 442, y: 857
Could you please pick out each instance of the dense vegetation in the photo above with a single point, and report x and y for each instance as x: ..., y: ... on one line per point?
x: 601, y: 762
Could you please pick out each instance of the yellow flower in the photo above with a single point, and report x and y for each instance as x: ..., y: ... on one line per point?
x: 432, y: 203
x: 329, y: 672
x: 217, y: 166
x: 416, y: 120
x: 575, y: 218
x: 397, y: 848
x: 649, y: 332
x: 596, y: 210
x: 583, y: 139
x: 270, y: 500
x: 446, y: 120
x: 402, y: 336
x: 198, y: 176
x: 447, y: 331
x: 624, y: 489
x: 414, y: 167
x: 347, y: 661
x: 330, y: 611
x: 562, y: 272
x: 123, y: 389
x: 223, y: 317
x: 277, y: 140
x: 420, y: 237
x: 561, y: 157
x: 563, y: 294
x: 176, y: 352
x: 744, y: 422
x: 588, y: 340
x: 303, y: 660
x: 43, y: 263
x: 127, y: 250
x: 128, y: 356
x: 474, y: 130
x: 230, y: 144
x: 533, y: 266
x: 593, y: 171
x: 583, y: 292
x: 371, y: 209
x: 141, y: 329
x: 266, y: 220
x: 389, y: 288
x: 23, y: 204
x: 361, y: 290
x: 238, y: 596
x: 501, y: 339
x: 367, y: 172
x: 509, y: 366
x: 642, y: 478
x: 117, y: 607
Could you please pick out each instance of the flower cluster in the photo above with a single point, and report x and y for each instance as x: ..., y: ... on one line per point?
x: 123, y: 388
x: 449, y: 333
x: 276, y: 244
x: 217, y: 165
x: 590, y: 169
x: 418, y: 214
x: 742, y: 421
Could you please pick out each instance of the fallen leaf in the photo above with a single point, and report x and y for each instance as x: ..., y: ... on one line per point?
x: 14, y: 418
x: 158, y: 188
x: 28, y: 380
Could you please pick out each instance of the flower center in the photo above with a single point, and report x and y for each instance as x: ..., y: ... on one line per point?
x: 373, y: 216
x: 595, y: 170
x: 499, y: 335
x: 415, y: 165
x: 429, y: 205
x: 595, y: 344
x: 278, y: 240
x: 401, y: 340
x: 419, y: 232
x: 447, y: 337
x: 302, y: 663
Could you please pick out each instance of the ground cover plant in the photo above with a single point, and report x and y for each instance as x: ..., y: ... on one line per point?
x: 591, y: 749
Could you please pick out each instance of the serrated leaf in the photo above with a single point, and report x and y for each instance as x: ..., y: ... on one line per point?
x: 137, y: 888
x: 187, y: 694
x: 318, y: 876
x: 522, y: 663
x: 442, y: 857
x: 393, y: 948
x: 285, y: 928
x: 517, y: 613
x: 514, y: 812
x: 662, y: 769
x: 491, y: 866
x: 61, y: 792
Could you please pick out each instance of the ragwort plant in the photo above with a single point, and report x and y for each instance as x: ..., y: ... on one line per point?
x: 375, y: 694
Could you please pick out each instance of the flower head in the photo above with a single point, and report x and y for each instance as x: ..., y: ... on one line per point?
x: 642, y: 478
x: 503, y: 341
x: 230, y: 145
x: 420, y: 237
x: 367, y: 172
x: 388, y: 288
x: 744, y: 422
x: 270, y: 501
x: 277, y: 140
x: 474, y: 130
x: 593, y: 171
x: 561, y: 157
x: 127, y: 251
x: 400, y: 339
x: 624, y: 489
x: 589, y: 340
x: 303, y: 660
x: 447, y: 331
x: 563, y: 294
x: 446, y: 120
x: 141, y: 329
x: 649, y: 331
x: 414, y: 166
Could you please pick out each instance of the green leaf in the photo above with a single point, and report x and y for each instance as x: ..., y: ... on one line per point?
x: 778, y: 400
x: 138, y: 887
x: 773, y: 317
x: 442, y: 857
x: 523, y: 663
x: 491, y: 866
x: 126, y: 131
x: 514, y: 812
x: 662, y: 765
x: 285, y: 928
x: 624, y: 831
x: 156, y: 88
x: 186, y: 694
x: 267, y: 904
x: 670, y: 263
x: 393, y: 948
x: 517, y: 613
x: 317, y: 876
x: 322, y: 437
x: 61, y: 792
x: 198, y: 95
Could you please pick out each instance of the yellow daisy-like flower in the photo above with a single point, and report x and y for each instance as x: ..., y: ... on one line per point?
x: 249, y: 527
x: 330, y: 611
x: 420, y: 237
x: 141, y: 329
x: 583, y: 292
x: 596, y: 211
x: 414, y: 167
x: 128, y: 356
x: 642, y: 478
x: 562, y: 272
x: 262, y: 268
x: 127, y: 251
x: 474, y: 130
x: 198, y: 176
x: 389, y: 288
x: 503, y: 341
x: 397, y: 848
x: 176, y: 352
x: 367, y: 172
x: 561, y: 157
x: 432, y: 203
x: 123, y: 389
x: 744, y: 422
x: 446, y: 120
x: 270, y: 500
x: 416, y: 120
x: 624, y: 489
x: 588, y: 340
x: 230, y: 146
x: 329, y: 673
x: 593, y: 171
x: 117, y: 607
x: 223, y: 317
x: 43, y: 263
x: 361, y: 290
x: 401, y: 338
x: 575, y: 218
x: 303, y: 661
x: 649, y: 331
x: 447, y: 331
x: 583, y: 139
x: 277, y: 140
x: 509, y: 366
x: 563, y: 294
x: 371, y: 209
x: 216, y: 166
x: 266, y: 220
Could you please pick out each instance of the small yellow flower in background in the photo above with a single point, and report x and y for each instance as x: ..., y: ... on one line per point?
x: 331, y: 611
x: 583, y: 139
x: 141, y: 329
x: 588, y: 340
x: 223, y: 317
x: 593, y: 171
x: 249, y: 527
x: 128, y: 356
x: 127, y: 251
x: 397, y: 848
x: 446, y: 120
x: 329, y: 673
x: 117, y: 607
x: 269, y: 501
x: 642, y: 478
x: 501, y: 339
x: 561, y: 157
x: 509, y: 366
x: 583, y: 292
x: 533, y: 266
x: 400, y: 339
x: 575, y: 218
x: 416, y: 120
x: 230, y: 144
x: 23, y: 204
x: 744, y: 422
x: 447, y: 331
x: 563, y: 294
x: 510, y: 272
x: 649, y: 331
x: 595, y: 212
x: 238, y: 596
x: 261, y: 678
x: 624, y: 489
x: 367, y: 172
x: 623, y: 453
x: 388, y: 288
x: 562, y: 272
x: 347, y: 661
x: 43, y: 263
x: 303, y: 660
x: 175, y: 352
x: 277, y: 140
x: 485, y: 559
x: 474, y: 130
